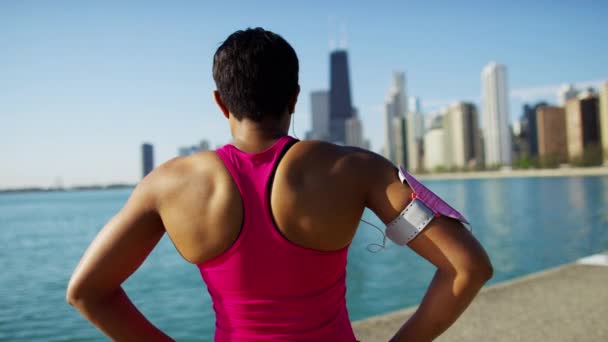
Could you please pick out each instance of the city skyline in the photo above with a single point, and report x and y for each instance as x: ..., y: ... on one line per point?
x: 98, y: 79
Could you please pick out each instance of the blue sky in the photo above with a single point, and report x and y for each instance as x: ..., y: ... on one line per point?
x: 84, y: 83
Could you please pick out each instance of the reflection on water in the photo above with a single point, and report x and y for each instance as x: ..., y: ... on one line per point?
x: 526, y: 225
x: 497, y: 223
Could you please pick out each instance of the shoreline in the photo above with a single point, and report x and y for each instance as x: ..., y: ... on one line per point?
x: 68, y: 189
x: 528, y: 173
x: 498, y: 174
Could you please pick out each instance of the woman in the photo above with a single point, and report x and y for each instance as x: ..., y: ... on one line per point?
x: 268, y: 220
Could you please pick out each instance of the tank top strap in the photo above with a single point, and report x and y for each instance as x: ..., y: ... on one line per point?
x: 252, y: 171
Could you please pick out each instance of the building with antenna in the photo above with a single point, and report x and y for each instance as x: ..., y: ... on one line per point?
x: 334, y: 118
x: 340, y: 103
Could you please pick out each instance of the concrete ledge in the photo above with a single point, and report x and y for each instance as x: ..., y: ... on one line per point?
x: 567, y: 303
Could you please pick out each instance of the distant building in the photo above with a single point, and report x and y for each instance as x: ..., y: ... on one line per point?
x: 604, y: 120
x: 340, y: 103
x: 400, y: 147
x: 566, y: 92
x: 414, y: 104
x: 389, y: 131
x: 430, y: 118
x: 416, y: 120
x: 147, y: 158
x: 354, y: 133
x: 552, y: 141
x: 462, y: 136
x: 319, y: 104
x: 395, y: 111
x: 528, y: 134
x: 520, y: 145
x: 415, y: 134
x: 189, y: 150
x: 582, y: 124
x: 495, y: 123
x: 435, y: 146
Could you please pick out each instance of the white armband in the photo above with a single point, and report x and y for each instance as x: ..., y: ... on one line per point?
x: 412, y: 220
x: 425, y: 205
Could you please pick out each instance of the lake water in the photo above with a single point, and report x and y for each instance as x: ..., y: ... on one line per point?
x: 526, y: 225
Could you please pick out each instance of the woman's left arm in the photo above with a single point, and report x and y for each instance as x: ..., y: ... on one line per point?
x: 115, y: 253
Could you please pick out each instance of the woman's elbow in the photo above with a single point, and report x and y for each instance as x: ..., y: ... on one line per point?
x: 479, y: 270
x: 486, y: 270
x: 73, y: 294
x: 76, y: 294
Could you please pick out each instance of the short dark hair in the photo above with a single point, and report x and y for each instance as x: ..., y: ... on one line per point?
x: 256, y: 74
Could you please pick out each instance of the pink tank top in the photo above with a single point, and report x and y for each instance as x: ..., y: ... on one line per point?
x: 264, y: 287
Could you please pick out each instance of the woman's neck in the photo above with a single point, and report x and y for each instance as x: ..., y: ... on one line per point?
x: 253, y: 137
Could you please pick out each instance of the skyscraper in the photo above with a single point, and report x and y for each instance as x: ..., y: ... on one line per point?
x: 354, y: 132
x: 495, y: 123
x: 552, y: 142
x: 340, y: 104
x: 389, y: 136
x: 415, y: 133
x: 400, y: 134
x: 529, y: 129
x: 604, y: 120
x: 319, y: 104
x: 461, y: 134
x: 582, y: 125
x: 435, y: 145
x: 395, y: 121
x: 414, y: 104
x: 147, y: 158
x: 415, y: 117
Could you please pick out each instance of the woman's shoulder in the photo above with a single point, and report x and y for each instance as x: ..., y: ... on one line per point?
x: 338, y: 157
x: 178, y: 174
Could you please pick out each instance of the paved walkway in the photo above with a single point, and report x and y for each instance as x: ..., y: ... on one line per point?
x: 568, y: 303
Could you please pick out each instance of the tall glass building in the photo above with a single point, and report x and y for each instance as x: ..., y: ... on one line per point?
x: 396, y: 143
x: 340, y: 103
x: 495, y: 123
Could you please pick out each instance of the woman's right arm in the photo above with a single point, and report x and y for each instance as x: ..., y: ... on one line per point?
x: 462, y: 264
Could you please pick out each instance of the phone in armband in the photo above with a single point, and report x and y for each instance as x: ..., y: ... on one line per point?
x: 425, y: 206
